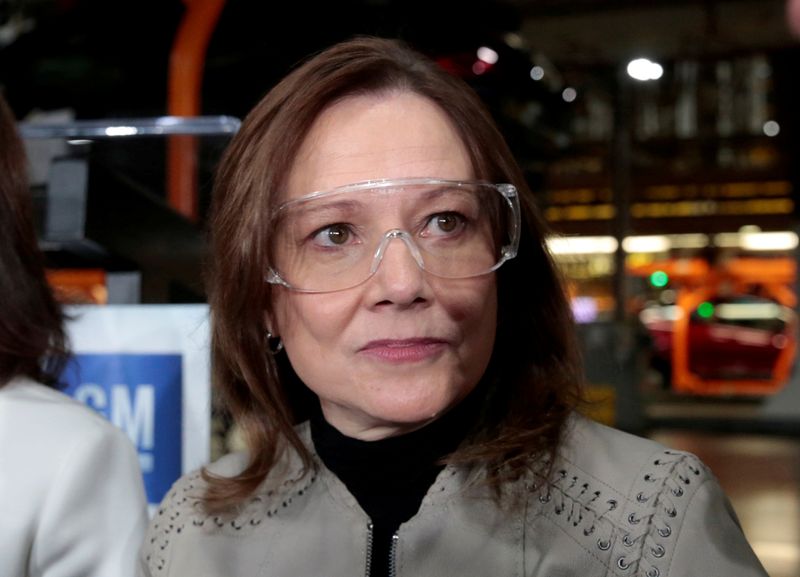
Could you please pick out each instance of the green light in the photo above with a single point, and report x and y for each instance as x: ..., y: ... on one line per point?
x: 659, y: 279
x: 706, y: 310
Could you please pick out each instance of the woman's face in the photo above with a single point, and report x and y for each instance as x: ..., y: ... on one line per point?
x: 399, y: 350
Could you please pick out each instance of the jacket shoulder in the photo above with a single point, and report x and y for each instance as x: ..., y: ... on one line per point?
x: 609, y: 453
x: 181, y: 508
x: 182, y: 521
x: 630, y: 503
x: 47, y: 414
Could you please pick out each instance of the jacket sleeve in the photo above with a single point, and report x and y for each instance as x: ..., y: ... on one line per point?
x: 93, y: 518
x: 710, y: 541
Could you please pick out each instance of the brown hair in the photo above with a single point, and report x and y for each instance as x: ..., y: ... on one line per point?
x: 534, y: 375
x: 32, y: 339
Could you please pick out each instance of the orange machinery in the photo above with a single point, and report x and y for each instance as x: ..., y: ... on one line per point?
x: 78, y: 286
x: 695, y: 282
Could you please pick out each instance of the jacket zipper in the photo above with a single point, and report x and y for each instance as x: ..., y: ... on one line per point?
x: 392, y: 552
x: 369, y: 548
x: 393, y: 555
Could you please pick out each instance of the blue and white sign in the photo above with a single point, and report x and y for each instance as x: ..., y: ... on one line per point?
x: 146, y: 369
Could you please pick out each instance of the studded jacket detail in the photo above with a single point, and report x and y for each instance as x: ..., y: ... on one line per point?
x: 613, y: 505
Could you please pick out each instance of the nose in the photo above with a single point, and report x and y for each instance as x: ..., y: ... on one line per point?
x: 398, y: 269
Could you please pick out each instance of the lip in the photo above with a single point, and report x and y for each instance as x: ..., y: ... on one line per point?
x: 404, y: 350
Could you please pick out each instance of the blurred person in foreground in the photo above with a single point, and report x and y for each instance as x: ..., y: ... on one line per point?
x: 392, y: 336
x: 72, y: 501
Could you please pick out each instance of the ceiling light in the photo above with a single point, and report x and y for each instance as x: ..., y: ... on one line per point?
x: 769, y: 241
x: 642, y: 244
x: 582, y: 245
x: 121, y: 131
x: 643, y: 69
x: 487, y: 55
x: 771, y: 128
x: 692, y: 240
x: 480, y: 67
x: 514, y: 40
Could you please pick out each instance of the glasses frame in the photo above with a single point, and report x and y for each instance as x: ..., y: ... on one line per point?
x: 507, y: 191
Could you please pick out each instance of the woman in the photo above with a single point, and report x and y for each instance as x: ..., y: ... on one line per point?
x: 71, y: 495
x: 406, y: 391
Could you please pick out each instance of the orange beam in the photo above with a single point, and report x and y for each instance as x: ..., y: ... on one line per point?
x: 184, y: 87
x: 685, y: 381
x: 691, y: 270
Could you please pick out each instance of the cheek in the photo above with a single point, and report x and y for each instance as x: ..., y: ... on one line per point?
x: 307, y: 320
x: 484, y: 330
x: 472, y: 303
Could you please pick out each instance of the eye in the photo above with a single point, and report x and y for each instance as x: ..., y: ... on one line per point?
x: 444, y: 223
x: 333, y: 235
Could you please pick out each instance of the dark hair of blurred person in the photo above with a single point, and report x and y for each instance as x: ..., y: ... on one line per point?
x: 32, y: 339
x: 72, y: 498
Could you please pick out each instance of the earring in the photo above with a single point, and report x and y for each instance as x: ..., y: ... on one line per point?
x: 274, y: 344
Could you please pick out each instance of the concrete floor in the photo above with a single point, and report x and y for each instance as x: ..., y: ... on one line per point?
x: 761, y: 475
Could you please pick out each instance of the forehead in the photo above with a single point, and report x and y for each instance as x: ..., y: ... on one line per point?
x: 383, y: 198
x: 371, y: 137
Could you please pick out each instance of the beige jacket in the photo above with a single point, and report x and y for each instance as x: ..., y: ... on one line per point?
x: 617, y: 505
x: 72, y: 502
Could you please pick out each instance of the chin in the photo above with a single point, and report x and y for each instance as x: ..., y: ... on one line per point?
x: 414, y: 412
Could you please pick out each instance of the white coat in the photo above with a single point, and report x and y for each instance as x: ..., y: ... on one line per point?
x: 72, y: 500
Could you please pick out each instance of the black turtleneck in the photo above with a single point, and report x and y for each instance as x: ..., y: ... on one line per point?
x: 389, y: 477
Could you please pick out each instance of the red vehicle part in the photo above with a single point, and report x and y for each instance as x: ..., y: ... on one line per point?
x: 742, y: 344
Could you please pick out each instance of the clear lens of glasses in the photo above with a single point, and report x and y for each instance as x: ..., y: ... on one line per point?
x: 334, y: 240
